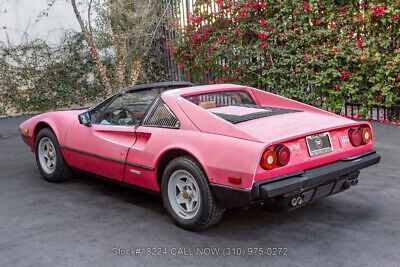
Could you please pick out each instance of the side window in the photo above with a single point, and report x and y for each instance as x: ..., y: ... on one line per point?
x: 161, y: 116
x: 127, y: 109
x: 95, y: 114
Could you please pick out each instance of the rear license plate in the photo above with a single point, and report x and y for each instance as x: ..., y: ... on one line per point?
x: 319, y: 144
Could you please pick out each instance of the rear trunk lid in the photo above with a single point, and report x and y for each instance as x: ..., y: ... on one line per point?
x: 292, y: 125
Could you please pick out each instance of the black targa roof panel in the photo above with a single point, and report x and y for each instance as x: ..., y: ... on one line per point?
x: 167, y: 85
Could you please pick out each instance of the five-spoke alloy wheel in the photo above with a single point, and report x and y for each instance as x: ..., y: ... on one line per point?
x: 187, y: 195
x: 47, y: 155
x: 49, y: 158
x: 184, y: 194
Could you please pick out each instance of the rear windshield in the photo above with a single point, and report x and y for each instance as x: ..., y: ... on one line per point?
x: 235, y: 106
x: 221, y: 99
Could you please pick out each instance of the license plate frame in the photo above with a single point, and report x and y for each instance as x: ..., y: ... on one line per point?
x: 318, y: 144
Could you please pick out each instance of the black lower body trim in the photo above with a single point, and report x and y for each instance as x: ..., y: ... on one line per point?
x: 231, y: 197
x: 107, y: 158
x: 299, y: 198
x: 26, y: 136
x: 120, y: 183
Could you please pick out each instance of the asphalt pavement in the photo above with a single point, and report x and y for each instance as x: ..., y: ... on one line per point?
x: 91, y: 222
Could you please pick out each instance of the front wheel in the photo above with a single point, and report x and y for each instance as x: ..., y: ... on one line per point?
x: 49, y: 159
x: 187, y: 196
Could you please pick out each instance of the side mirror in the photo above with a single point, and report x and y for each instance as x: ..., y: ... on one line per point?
x: 85, y: 119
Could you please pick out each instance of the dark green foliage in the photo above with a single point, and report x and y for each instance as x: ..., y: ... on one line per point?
x: 36, y: 77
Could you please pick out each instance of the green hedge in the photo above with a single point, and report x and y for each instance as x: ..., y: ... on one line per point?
x: 320, y: 52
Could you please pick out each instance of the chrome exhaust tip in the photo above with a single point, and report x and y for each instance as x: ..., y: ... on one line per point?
x: 299, y: 200
x: 294, y: 202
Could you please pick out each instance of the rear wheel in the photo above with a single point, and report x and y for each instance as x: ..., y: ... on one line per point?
x: 49, y: 158
x: 187, y: 195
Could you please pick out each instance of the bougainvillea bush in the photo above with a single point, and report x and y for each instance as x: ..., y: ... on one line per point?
x: 320, y: 52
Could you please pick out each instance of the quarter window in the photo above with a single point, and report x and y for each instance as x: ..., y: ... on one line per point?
x: 161, y: 116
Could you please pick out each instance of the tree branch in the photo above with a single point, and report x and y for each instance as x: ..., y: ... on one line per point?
x: 93, y: 51
x: 89, y: 14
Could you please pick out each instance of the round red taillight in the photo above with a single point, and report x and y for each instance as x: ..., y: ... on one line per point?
x: 366, y: 135
x: 268, y: 159
x: 355, y: 137
x: 282, y: 155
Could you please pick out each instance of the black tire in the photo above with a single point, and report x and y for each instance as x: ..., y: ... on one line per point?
x: 210, y: 211
x: 61, y: 171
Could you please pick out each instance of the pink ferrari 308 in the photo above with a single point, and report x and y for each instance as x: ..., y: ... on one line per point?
x: 205, y: 148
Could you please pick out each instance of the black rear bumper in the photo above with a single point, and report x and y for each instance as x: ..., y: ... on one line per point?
x: 310, y: 184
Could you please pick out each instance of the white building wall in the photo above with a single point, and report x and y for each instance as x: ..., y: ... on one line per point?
x: 21, y: 17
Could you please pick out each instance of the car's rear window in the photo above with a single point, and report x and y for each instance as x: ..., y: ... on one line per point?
x: 221, y: 99
x: 235, y: 106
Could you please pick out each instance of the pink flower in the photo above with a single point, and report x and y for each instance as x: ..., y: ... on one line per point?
x: 254, y: 5
x: 378, y: 10
x: 332, y: 25
x: 358, y: 43
x: 263, y: 44
x: 262, y: 35
x: 319, y: 22
x: 343, y: 75
x: 262, y: 22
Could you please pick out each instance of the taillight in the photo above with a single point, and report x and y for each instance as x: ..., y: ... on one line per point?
x: 355, y: 137
x: 282, y: 155
x: 268, y: 159
x: 365, y: 135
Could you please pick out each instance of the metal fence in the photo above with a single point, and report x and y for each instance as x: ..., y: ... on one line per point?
x: 391, y: 114
x: 180, y: 11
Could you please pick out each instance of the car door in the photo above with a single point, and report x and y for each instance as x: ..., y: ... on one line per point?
x: 159, y: 123
x: 102, y: 147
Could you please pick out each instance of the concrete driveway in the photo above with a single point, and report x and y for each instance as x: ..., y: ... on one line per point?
x: 87, y: 221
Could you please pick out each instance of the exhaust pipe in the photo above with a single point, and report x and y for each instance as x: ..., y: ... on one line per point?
x: 299, y: 200
x: 296, y: 201
x: 354, y: 182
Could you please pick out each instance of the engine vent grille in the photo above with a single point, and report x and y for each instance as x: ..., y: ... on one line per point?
x: 161, y: 116
x: 264, y: 111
